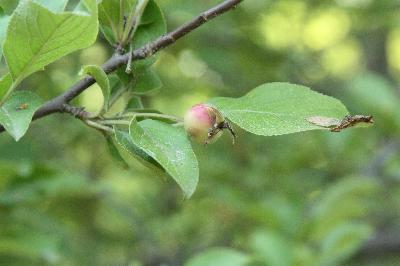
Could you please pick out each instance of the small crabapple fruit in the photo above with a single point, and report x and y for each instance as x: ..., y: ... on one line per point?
x: 205, y: 123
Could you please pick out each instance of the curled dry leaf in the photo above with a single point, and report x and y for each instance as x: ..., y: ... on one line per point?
x: 337, y: 125
x: 323, y: 121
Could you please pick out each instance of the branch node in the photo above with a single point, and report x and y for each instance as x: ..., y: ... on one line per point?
x: 60, y: 104
x: 77, y: 112
x: 204, y: 17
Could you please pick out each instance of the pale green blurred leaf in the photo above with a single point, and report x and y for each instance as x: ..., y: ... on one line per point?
x: 272, y: 248
x: 375, y: 94
x: 30, y: 245
x: 374, y: 91
x: 279, y: 108
x: 4, y: 19
x: 115, y: 153
x: 55, y: 6
x: 102, y: 80
x: 170, y: 147
x: 39, y: 37
x: 17, y: 112
x: 344, y: 200
x: 343, y: 241
x: 219, y: 257
x: 47, y: 187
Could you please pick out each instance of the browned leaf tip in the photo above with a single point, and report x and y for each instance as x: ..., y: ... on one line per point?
x: 337, y: 125
x: 350, y: 121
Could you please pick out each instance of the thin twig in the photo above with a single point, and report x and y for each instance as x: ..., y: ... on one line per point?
x: 98, y: 126
x: 56, y: 104
x: 152, y: 115
x: 115, y: 122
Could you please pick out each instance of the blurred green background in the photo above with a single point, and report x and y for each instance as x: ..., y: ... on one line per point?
x: 313, y: 198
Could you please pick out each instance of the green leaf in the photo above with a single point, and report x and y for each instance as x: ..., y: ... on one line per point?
x: 37, y: 36
x: 344, y: 241
x: 134, y: 103
x: 279, y: 108
x: 4, y: 19
x: 110, y: 13
x: 102, y: 80
x: 8, y: 5
x: 115, y: 153
x: 17, y: 112
x: 141, y: 81
x: 152, y: 25
x: 146, y: 81
x: 115, y: 83
x: 219, y: 257
x: 124, y: 140
x: 55, y: 6
x: 111, y: 18
x: 5, y: 84
x: 170, y: 147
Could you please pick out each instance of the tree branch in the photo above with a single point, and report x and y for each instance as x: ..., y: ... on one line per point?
x: 57, y: 104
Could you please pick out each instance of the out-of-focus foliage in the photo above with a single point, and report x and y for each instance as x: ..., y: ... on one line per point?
x: 314, y: 198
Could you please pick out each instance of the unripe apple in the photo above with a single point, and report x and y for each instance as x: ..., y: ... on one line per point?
x: 200, y: 122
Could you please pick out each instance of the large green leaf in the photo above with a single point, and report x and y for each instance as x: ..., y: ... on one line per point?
x: 36, y: 36
x: 102, y: 80
x: 279, y: 108
x: 170, y: 147
x: 219, y: 257
x: 17, y: 112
